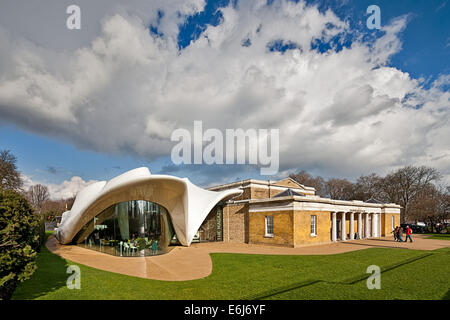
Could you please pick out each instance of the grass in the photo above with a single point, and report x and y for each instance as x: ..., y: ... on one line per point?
x: 406, y: 274
x: 438, y: 236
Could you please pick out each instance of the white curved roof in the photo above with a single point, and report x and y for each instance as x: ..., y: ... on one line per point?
x: 187, y: 204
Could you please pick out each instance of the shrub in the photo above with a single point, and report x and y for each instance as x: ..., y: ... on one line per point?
x: 19, y: 237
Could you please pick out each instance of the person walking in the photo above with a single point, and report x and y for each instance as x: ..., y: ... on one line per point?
x: 395, y: 232
x: 399, y: 234
x: 408, y: 234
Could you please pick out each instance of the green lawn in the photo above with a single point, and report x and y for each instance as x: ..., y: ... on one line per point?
x: 439, y: 236
x: 406, y: 274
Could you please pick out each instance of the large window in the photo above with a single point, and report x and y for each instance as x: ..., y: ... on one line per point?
x: 314, y: 225
x: 269, y: 226
x: 131, y: 228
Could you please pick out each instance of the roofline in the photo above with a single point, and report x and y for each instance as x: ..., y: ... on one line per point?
x: 317, y: 199
x: 242, y: 183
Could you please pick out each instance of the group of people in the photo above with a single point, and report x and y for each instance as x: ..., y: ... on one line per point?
x: 398, y: 234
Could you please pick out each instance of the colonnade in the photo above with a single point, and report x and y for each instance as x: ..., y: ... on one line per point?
x: 370, y: 220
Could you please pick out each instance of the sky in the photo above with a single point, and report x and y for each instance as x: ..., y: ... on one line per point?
x: 78, y: 106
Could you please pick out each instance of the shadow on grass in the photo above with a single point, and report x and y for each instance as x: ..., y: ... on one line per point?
x: 350, y: 281
x: 374, y: 245
x: 49, y: 276
x: 447, y: 295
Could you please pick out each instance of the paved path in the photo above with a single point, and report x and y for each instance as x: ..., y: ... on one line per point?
x: 194, y: 262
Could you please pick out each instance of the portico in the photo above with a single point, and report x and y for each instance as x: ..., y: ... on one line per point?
x: 355, y: 225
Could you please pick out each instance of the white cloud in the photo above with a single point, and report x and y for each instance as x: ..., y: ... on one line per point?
x: 64, y: 190
x: 345, y: 112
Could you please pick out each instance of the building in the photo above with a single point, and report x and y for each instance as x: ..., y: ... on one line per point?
x: 287, y: 213
x: 138, y: 214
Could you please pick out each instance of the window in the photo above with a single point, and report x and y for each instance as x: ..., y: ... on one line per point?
x: 129, y: 228
x: 269, y: 226
x: 313, y: 225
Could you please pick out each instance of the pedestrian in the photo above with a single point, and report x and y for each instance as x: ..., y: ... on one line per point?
x: 395, y: 232
x: 399, y: 234
x: 408, y: 234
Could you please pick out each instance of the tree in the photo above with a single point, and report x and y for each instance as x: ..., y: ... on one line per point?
x: 431, y: 204
x: 367, y: 187
x: 308, y: 180
x: 9, y: 175
x: 403, y: 185
x: 339, y: 189
x: 19, y: 239
x: 37, y: 195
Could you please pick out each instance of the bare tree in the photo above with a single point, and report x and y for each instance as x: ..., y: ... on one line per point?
x: 339, y: 189
x: 431, y: 204
x: 9, y: 175
x: 367, y: 187
x: 403, y: 185
x: 307, y: 179
x: 38, y: 195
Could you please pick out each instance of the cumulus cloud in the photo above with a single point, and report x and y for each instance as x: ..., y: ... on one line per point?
x: 64, y: 190
x: 343, y: 110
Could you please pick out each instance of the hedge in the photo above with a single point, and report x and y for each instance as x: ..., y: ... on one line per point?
x: 19, y: 240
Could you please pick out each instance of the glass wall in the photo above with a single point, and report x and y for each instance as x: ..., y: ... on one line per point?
x: 131, y: 228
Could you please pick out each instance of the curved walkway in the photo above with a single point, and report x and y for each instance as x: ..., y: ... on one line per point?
x: 194, y: 262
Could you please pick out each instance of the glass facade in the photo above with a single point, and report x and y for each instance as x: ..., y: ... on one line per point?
x: 131, y: 228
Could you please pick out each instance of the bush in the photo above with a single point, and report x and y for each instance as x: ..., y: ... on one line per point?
x: 41, y: 233
x: 19, y: 238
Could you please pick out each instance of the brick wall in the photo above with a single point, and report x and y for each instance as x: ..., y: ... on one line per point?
x: 235, y: 223
x: 302, y: 227
x: 282, y: 228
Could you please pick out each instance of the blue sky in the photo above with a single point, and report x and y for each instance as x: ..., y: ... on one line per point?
x: 48, y: 157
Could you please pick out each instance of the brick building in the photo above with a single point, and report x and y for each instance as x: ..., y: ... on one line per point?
x: 287, y: 213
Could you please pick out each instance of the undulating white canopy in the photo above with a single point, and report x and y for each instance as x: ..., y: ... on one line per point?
x: 187, y: 204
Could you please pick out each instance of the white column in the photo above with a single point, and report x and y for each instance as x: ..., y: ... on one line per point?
x: 343, y: 231
x: 379, y: 224
x: 333, y: 227
x: 374, y: 225
x: 359, y: 225
x: 352, y: 226
x: 366, y: 226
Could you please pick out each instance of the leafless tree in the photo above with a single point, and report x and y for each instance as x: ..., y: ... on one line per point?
x: 9, y: 175
x: 368, y: 187
x: 339, y: 189
x: 404, y: 185
x: 38, y: 195
x: 307, y: 179
x: 431, y: 204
